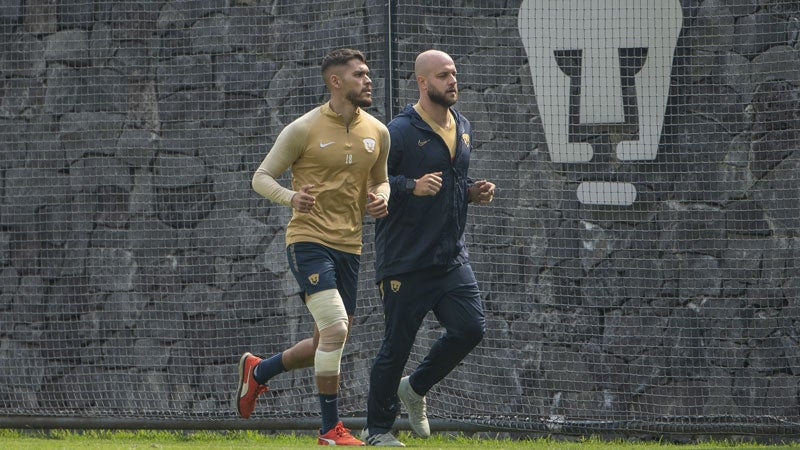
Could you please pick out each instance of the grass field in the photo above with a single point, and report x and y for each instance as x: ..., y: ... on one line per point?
x: 144, y: 440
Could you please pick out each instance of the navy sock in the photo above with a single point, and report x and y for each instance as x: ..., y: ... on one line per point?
x: 329, y: 403
x: 268, y: 368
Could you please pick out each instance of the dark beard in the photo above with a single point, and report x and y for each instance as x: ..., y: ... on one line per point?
x: 353, y: 97
x: 439, y: 98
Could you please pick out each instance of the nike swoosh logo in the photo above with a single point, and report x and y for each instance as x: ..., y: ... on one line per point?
x: 330, y: 401
x: 321, y: 145
x: 421, y: 142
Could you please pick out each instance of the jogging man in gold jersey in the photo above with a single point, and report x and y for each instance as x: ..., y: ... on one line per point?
x: 337, y: 153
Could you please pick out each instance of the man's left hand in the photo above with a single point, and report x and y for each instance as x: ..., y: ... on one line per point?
x: 377, y: 207
x: 482, y: 192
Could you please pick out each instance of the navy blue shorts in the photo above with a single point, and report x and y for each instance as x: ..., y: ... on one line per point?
x: 317, y: 267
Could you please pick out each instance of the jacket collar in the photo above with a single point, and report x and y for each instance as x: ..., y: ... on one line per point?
x: 420, y: 123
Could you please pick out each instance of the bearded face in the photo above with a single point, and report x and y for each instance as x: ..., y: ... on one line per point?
x: 360, y: 97
x: 446, y: 98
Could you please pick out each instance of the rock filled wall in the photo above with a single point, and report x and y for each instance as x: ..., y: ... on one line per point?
x: 133, y: 250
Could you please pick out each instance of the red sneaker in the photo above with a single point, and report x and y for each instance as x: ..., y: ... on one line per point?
x: 249, y: 389
x: 338, y: 435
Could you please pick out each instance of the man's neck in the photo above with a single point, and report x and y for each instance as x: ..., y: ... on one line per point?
x: 344, y: 108
x: 437, y: 112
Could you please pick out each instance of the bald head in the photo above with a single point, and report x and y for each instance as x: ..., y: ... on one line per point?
x: 431, y: 60
x: 436, y: 80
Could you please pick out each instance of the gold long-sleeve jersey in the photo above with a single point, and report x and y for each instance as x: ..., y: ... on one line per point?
x: 343, y: 163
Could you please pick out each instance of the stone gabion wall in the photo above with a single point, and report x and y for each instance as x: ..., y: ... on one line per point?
x: 133, y: 250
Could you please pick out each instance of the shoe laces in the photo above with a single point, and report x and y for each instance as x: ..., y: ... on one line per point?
x: 260, y: 389
x: 340, y: 430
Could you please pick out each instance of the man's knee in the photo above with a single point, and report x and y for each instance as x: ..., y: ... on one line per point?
x: 469, y: 334
x: 331, y: 318
x: 334, y: 336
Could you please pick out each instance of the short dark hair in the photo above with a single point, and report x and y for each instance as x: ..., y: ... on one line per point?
x: 340, y: 57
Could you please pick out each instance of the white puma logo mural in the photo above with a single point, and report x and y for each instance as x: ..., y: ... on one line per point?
x: 601, y: 67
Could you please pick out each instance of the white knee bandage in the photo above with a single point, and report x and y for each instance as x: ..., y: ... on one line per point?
x: 327, y: 364
x: 330, y: 316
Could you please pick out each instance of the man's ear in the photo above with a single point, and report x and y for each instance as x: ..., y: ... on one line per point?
x: 334, y: 80
x: 422, y: 82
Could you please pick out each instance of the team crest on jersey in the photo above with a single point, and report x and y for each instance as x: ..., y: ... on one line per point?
x: 369, y: 145
x: 465, y: 138
x: 313, y: 279
x: 395, y: 285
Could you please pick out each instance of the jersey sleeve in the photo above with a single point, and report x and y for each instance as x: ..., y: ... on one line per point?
x: 378, y: 176
x: 287, y: 149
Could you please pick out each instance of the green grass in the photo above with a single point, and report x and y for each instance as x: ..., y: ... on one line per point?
x: 205, y: 440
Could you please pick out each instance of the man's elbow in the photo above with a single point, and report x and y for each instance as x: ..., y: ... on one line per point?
x: 256, y: 182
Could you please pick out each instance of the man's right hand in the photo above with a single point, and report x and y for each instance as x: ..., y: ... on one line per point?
x: 303, y: 201
x: 428, y: 184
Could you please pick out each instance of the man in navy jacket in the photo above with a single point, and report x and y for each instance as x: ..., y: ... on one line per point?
x: 422, y: 263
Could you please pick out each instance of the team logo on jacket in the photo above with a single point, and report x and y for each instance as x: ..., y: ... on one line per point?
x: 369, y: 144
x: 465, y: 138
x: 313, y: 279
x: 395, y: 285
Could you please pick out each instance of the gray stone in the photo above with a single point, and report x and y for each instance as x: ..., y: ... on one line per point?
x: 94, y: 174
x: 711, y: 27
x: 5, y: 242
x: 136, y: 148
x: 758, y: 32
x: 246, y: 114
x: 40, y: 16
x: 248, y: 29
x: 101, y: 90
x: 70, y: 47
x: 184, y: 73
x: 61, y: 94
x: 121, y: 311
x: 24, y: 57
x: 205, y: 106
x: 75, y: 13
x: 208, y: 34
x: 149, y: 355
x: 166, y: 319
x: 27, y: 189
x: 23, y: 98
x: 10, y: 10
x: 288, y: 37
x: 92, y: 133
x: 775, y: 193
x: 242, y: 240
x: 129, y: 22
x: 111, y: 269
x: 212, y: 338
x: 26, y: 374
x: 174, y: 170
x: 775, y: 64
x: 244, y: 73
x: 219, y: 149
x: 746, y: 217
x: 13, y: 148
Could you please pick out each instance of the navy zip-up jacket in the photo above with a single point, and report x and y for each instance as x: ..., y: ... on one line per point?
x: 420, y: 232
